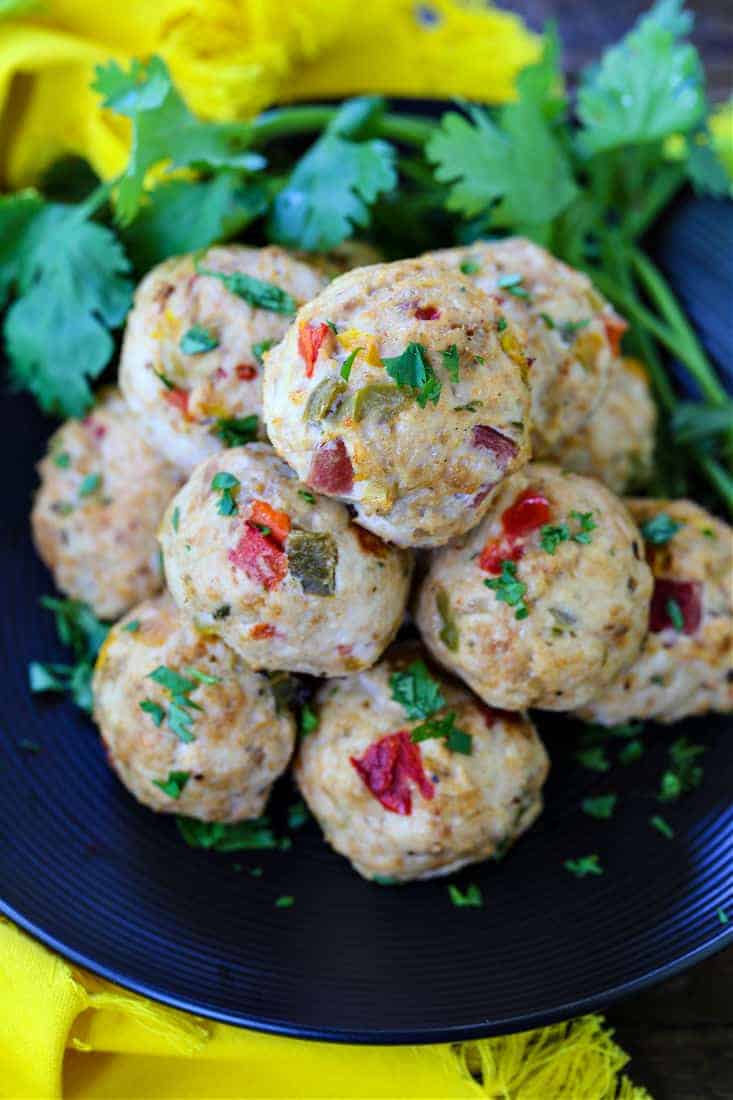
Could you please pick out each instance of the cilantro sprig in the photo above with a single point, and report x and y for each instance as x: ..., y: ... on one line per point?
x: 81, y: 631
x: 420, y: 696
x: 509, y: 589
x: 412, y: 370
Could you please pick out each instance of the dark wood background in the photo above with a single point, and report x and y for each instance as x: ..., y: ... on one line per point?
x: 680, y: 1035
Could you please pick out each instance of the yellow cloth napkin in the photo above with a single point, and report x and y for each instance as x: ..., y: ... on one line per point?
x: 66, y: 1033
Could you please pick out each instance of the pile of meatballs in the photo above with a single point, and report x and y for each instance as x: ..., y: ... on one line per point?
x: 304, y: 453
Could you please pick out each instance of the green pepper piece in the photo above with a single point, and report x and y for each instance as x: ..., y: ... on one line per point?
x: 324, y: 397
x: 377, y: 398
x: 449, y: 634
x: 312, y: 558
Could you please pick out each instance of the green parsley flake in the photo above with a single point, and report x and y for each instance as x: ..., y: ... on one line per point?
x: 165, y: 380
x: 91, y: 484
x: 259, y: 349
x: 179, y: 688
x: 548, y: 320
x: 456, y: 739
x: 471, y: 898
x: 416, y: 691
x: 255, y: 292
x: 569, y: 329
x: 551, y: 535
x: 256, y: 872
x: 601, y: 808
x: 348, y: 363
x: 307, y: 496
x: 62, y: 460
x: 451, y: 362
x: 657, y: 822
x: 660, y: 529
x: 513, y: 283
x: 411, y: 370
x: 156, y: 712
x: 509, y: 589
x: 631, y: 752
x: 175, y: 518
x: 684, y: 773
x: 285, y: 901
x: 674, y: 611
x: 722, y: 916
x: 593, y: 758
x: 308, y: 722
x: 174, y: 785
x: 246, y: 836
x: 584, y: 866
x: 132, y: 627
x: 587, y: 524
x: 298, y: 815
x: 198, y: 340
x: 237, y: 431
x: 202, y: 677
x: 226, y: 484
x: 501, y: 324
x: 470, y: 267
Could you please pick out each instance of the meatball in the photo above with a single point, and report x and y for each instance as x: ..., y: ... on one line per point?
x: 187, y: 726
x: 685, y: 665
x: 547, y: 600
x: 403, y: 391
x: 572, y: 333
x: 191, y: 366
x: 96, y: 511
x: 617, y: 444
x: 403, y: 809
x: 282, y: 575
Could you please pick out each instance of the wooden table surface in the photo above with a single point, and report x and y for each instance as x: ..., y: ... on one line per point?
x: 680, y: 1034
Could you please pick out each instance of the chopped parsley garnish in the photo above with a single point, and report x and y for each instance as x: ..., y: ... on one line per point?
x: 307, y: 496
x: 156, y: 712
x: 411, y: 370
x: 332, y: 326
x: 722, y: 916
x: 222, y: 612
x: 548, y: 320
x: 509, y: 589
x: 348, y: 363
x: 198, y: 340
x: 551, y: 535
x: 165, y: 380
x: 132, y: 627
x: 456, y: 739
x: 472, y: 407
x: 256, y: 872
x: 513, y: 283
x: 308, y: 720
x: 255, y: 292
x: 593, y: 758
x: 416, y: 691
x: 179, y: 688
x: 297, y: 815
x: 601, y: 807
x: 245, y: 836
x: 587, y: 524
x: 501, y: 324
x: 62, y: 460
x: 470, y: 267
x: 78, y: 628
x: 674, y: 613
x: 226, y: 484
x: 285, y: 901
x: 658, y: 822
x: 584, y: 866
x: 259, y: 349
x: 173, y: 786
x: 451, y: 362
x: 470, y: 898
x: 568, y: 329
x: 660, y: 529
x: 175, y: 518
x: 236, y: 431
x: 684, y: 772
x: 631, y: 752
x: 202, y: 677
x: 91, y: 484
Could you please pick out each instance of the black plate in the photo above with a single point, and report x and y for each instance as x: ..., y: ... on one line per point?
x: 113, y: 887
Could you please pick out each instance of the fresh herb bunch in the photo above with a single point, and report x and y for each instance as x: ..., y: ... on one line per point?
x: 588, y: 192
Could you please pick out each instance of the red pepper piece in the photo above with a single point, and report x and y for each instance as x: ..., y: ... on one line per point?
x: 688, y: 597
x: 615, y: 327
x: 427, y: 313
x: 264, y: 515
x: 331, y: 470
x: 178, y: 399
x: 262, y: 561
x: 497, y: 551
x: 310, y: 338
x: 528, y: 512
x: 262, y: 630
x: 245, y: 372
x: 387, y: 767
x: 488, y: 439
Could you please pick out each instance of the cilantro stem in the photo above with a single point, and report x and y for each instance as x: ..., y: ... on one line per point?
x: 290, y: 121
x: 95, y: 200
x: 656, y: 197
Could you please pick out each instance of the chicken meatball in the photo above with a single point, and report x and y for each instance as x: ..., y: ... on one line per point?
x: 187, y: 726
x: 686, y: 663
x: 191, y: 366
x: 281, y: 574
x: 102, y: 494
x: 402, y: 807
x: 403, y: 391
x: 572, y: 333
x: 547, y: 600
x: 617, y: 444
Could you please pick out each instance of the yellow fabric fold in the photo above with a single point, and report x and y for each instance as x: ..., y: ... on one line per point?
x: 64, y: 1032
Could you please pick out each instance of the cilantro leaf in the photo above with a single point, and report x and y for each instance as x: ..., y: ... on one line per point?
x: 308, y: 720
x: 584, y: 866
x: 451, y: 362
x: 332, y: 186
x: 78, y: 628
x: 662, y: 826
x: 601, y: 807
x: 236, y: 431
x: 509, y: 589
x: 411, y: 370
x: 456, y: 739
x: 660, y: 529
x: 551, y: 535
x: 684, y: 773
x: 470, y: 898
x: 416, y: 691
x: 197, y: 340
x: 256, y: 292
x: 174, y: 785
x: 647, y: 86
x: 245, y: 836
x: 70, y: 277
x: 164, y: 130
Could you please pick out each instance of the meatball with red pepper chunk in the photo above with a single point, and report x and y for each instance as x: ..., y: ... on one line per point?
x: 191, y: 366
x: 573, y: 335
x: 188, y: 727
x: 547, y: 600
x: 686, y: 663
x: 403, y: 391
x: 97, y: 509
x: 410, y: 776
x: 281, y: 574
